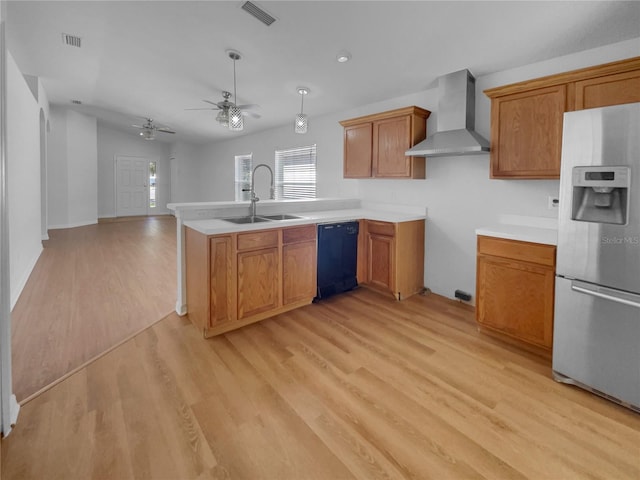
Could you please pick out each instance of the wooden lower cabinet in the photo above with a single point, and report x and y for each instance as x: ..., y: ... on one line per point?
x: 515, y: 290
x: 394, y: 256
x: 240, y: 278
x: 258, y: 281
x: 298, y: 271
x: 222, y: 280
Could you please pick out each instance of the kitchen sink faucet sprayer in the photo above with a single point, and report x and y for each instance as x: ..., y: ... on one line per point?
x: 254, y: 198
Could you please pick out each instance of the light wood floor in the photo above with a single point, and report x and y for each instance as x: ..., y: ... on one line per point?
x: 357, y: 386
x: 91, y: 288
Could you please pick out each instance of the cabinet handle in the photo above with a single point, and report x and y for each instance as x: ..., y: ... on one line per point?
x: 613, y: 298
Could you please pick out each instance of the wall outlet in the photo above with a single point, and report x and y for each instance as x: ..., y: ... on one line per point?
x: 462, y: 295
x: 552, y: 202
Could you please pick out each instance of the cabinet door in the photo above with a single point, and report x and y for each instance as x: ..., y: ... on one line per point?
x: 258, y: 281
x: 381, y: 261
x: 358, y: 151
x: 391, y: 138
x: 299, y: 272
x: 526, y: 133
x: 608, y: 90
x: 516, y: 298
x: 222, y: 285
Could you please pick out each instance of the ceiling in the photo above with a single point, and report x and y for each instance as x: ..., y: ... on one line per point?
x: 157, y: 58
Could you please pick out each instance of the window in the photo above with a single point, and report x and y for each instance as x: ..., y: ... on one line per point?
x: 244, y: 163
x: 296, y: 173
x: 152, y: 184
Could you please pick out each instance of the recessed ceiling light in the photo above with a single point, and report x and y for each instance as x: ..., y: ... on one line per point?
x: 343, y: 56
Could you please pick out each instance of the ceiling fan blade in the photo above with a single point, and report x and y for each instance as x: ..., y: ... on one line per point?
x: 202, y: 108
x: 248, y: 107
x: 212, y: 103
x: 249, y: 113
x: 165, y: 130
x: 138, y: 126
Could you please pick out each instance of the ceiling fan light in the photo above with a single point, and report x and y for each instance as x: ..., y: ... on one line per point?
x: 302, y: 122
x: 147, y: 134
x: 223, y: 118
x: 236, y: 122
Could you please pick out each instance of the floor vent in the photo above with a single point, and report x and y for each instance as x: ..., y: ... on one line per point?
x: 258, y: 13
x: 71, y: 40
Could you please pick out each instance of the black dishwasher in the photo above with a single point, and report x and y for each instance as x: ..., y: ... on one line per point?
x: 337, y: 258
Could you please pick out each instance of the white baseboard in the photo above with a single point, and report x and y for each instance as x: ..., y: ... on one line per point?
x: 15, y: 294
x: 14, y: 409
x: 73, y: 225
x: 181, y: 309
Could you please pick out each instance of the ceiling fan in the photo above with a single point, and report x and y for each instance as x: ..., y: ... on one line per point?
x: 230, y: 114
x: 224, y: 106
x: 149, y: 129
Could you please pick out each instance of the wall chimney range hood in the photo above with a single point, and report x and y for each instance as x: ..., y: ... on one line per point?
x: 455, y: 133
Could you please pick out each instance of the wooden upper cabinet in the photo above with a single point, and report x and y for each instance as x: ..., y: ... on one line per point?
x: 526, y: 117
x: 358, y: 147
x: 390, y: 141
x: 608, y: 90
x: 374, y: 145
x: 526, y: 138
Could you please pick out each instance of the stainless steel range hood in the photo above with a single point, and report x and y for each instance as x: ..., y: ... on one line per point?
x: 456, y: 120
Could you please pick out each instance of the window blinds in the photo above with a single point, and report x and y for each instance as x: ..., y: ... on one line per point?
x: 243, y: 176
x: 296, y: 173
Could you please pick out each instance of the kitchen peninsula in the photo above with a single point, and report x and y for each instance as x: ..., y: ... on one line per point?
x: 214, y: 256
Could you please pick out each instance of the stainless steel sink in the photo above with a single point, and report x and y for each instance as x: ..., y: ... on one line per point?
x: 248, y: 219
x: 282, y: 216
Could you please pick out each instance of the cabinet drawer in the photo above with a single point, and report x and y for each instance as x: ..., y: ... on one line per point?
x: 517, y: 250
x: 381, y: 228
x: 298, y: 234
x: 253, y: 240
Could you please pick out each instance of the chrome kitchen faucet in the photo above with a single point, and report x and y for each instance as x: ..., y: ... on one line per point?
x: 254, y: 198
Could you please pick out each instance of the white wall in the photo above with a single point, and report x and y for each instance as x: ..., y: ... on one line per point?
x: 217, y: 168
x: 187, y: 164
x: 113, y: 143
x: 23, y: 169
x: 73, y: 169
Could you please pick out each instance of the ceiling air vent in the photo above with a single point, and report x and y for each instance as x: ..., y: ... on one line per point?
x: 257, y: 12
x: 76, y: 102
x: 71, y: 40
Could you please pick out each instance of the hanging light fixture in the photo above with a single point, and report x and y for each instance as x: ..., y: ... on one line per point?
x: 236, y: 122
x: 147, y: 134
x: 302, y: 122
x: 223, y: 117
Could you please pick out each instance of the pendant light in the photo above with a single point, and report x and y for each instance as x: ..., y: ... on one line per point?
x: 236, y: 122
x: 302, y: 122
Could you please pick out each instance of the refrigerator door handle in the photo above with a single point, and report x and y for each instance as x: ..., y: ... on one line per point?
x: 605, y: 296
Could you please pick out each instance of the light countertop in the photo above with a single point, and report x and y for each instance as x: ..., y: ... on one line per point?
x: 215, y: 226
x: 548, y: 236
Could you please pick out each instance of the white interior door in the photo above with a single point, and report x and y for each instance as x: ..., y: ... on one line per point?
x: 132, y: 175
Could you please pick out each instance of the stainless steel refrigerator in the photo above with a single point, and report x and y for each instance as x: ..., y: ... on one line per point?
x: 596, y: 339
